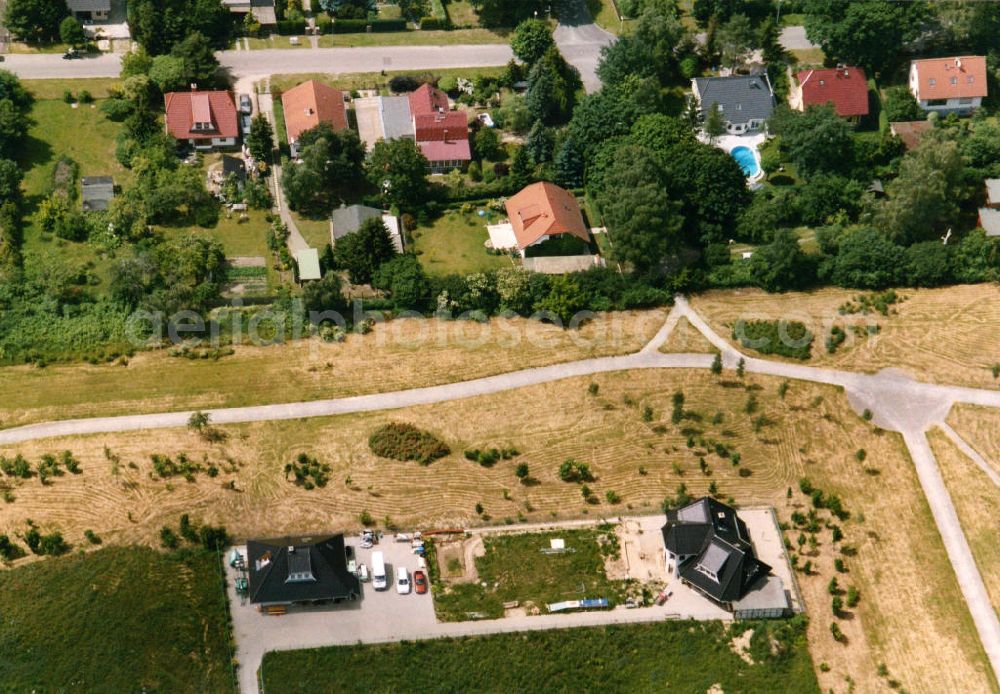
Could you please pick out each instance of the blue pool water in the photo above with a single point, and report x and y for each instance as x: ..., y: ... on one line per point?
x: 745, y: 158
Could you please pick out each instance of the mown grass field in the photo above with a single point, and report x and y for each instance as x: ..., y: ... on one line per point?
x: 456, y: 37
x: 395, y: 355
x: 671, y: 656
x: 811, y: 432
x: 946, y: 335
x: 122, y: 619
x: 454, y: 244
x: 977, y: 502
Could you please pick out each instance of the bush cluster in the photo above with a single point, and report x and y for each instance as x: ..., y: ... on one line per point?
x: 402, y: 441
x: 308, y: 472
x: 574, y: 471
x: 787, y: 338
x: 489, y: 456
x: 166, y: 467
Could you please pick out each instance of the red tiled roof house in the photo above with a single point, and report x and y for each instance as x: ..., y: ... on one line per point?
x: 844, y: 87
x: 205, y: 120
x: 309, y: 104
x: 949, y: 85
x: 442, y: 135
x: 542, y: 211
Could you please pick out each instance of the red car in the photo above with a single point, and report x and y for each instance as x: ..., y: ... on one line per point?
x: 420, y: 582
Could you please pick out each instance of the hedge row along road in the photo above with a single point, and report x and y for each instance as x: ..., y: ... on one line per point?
x: 897, y: 403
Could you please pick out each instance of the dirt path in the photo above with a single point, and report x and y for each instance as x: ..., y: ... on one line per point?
x: 896, y: 402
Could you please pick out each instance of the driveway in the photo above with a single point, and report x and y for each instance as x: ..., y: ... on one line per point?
x: 794, y: 38
x: 580, y: 41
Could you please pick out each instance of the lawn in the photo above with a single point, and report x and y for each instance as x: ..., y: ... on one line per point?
x: 374, y: 80
x: 56, y: 130
x: 99, y: 87
x: 315, y: 231
x: 238, y: 238
x: 812, y: 432
x: 606, y: 17
x: 462, y: 14
x: 456, y: 37
x: 454, y: 244
x: 122, y: 619
x: 515, y: 569
x: 669, y: 656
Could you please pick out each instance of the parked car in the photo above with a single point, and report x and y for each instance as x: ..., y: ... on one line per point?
x: 245, y: 104
x: 420, y: 582
x: 486, y: 120
x: 72, y: 54
x: 402, y: 581
x: 378, y: 571
x: 245, y: 122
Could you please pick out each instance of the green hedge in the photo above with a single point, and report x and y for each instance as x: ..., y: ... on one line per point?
x: 291, y: 27
x: 433, y: 23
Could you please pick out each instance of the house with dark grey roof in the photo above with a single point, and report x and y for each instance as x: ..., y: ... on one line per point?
x: 301, y: 571
x: 97, y: 192
x: 347, y: 219
x: 746, y: 101
x: 709, y: 548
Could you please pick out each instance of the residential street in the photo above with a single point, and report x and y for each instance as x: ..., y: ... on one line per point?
x: 580, y: 41
x: 260, y: 64
x: 897, y: 402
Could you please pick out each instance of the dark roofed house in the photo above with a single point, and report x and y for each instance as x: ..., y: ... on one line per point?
x: 709, y: 548
x: 97, y: 192
x: 746, y: 101
x: 347, y: 219
x: 300, y: 571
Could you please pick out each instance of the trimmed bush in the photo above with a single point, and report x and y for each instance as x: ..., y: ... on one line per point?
x: 401, y: 441
x: 291, y: 27
x: 360, y: 26
x: 433, y: 24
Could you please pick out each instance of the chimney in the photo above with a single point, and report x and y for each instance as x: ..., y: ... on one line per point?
x: 846, y: 73
x: 958, y: 63
x: 194, y: 87
x: 309, y: 110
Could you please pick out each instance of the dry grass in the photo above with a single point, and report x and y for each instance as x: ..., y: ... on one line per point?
x: 980, y: 428
x: 685, y: 338
x: 977, y: 502
x: 940, y: 335
x: 396, y: 355
x: 901, y: 567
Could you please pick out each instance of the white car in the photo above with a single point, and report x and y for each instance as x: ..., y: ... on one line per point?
x: 403, y: 586
x: 486, y: 120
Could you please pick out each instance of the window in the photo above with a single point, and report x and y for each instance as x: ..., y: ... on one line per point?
x: 937, y: 102
x: 954, y: 80
x: 970, y: 79
x: 932, y: 82
x: 965, y: 101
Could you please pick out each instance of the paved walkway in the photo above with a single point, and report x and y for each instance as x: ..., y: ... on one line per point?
x: 897, y: 402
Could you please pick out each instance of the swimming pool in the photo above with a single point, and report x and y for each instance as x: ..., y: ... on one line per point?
x: 744, y: 156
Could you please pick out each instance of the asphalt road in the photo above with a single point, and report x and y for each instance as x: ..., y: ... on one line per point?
x: 259, y: 64
x: 580, y: 41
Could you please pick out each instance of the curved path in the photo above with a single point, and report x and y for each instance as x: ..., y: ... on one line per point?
x: 897, y: 402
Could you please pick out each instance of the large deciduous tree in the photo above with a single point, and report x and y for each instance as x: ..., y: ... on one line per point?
x: 507, y: 13
x: 870, y: 34
x: 35, y: 20
x: 260, y: 139
x: 647, y: 51
x: 331, y: 161
x: 159, y: 25
x: 399, y: 169
x: 816, y: 140
x: 532, y: 39
x: 552, y: 86
x: 865, y: 259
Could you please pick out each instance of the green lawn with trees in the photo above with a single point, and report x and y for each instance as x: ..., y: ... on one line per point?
x: 453, y: 244
x: 117, y: 619
x: 667, y: 656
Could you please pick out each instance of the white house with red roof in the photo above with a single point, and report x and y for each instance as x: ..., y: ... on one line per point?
x: 441, y: 134
x: 204, y: 120
x: 949, y: 85
x: 846, y: 88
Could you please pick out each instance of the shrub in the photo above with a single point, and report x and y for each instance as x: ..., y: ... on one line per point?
x: 853, y: 596
x: 85, y: 97
x: 574, y: 471
x: 401, y: 441
x: 433, y: 23
x: 786, y: 338
x: 308, y: 471
x: 68, y: 97
x: 290, y: 27
x: 838, y: 635
x: 521, y: 471
x: 168, y: 538
x: 9, y: 550
x: 403, y: 83
x: 213, y: 538
x: 70, y: 463
x: 92, y: 537
x: 612, y: 497
x: 17, y: 466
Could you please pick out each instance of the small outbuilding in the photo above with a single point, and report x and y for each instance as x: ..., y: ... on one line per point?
x: 993, y: 193
x: 989, y: 220
x: 307, y: 261
x: 301, y: 571
x: 347, y: 219
x: 97, y: 192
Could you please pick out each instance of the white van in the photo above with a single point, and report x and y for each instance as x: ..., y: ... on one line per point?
x: 379, y: 581
x: 402, y: 580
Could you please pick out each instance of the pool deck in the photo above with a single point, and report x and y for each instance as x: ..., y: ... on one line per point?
x: 730, y: 142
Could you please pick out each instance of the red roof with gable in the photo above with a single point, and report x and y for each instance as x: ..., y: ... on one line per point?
x: 427, y: 99
x: 431, y: 127
x: 544, y: 209
x: 951, y: 78
x: 311, y: 103
x: 845, y: 87
x: 215, y: 109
